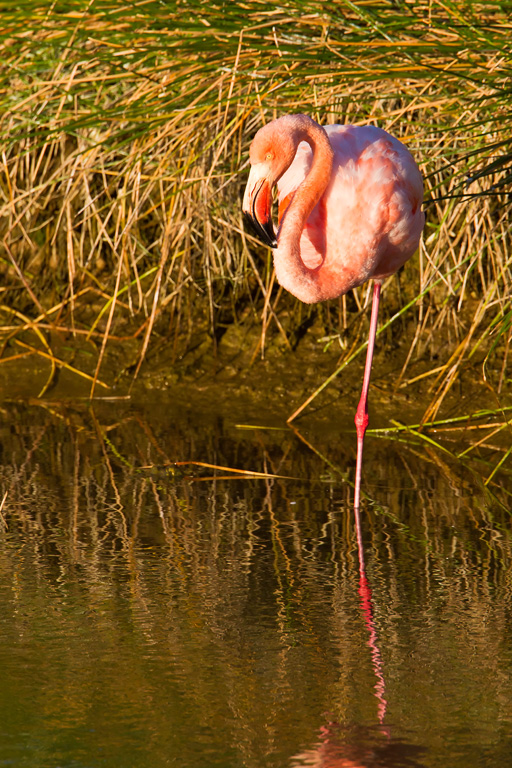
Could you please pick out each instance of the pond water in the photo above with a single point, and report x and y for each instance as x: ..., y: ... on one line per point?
x: 154, y: 615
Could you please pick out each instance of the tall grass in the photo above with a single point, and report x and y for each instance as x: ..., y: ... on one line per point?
x: 125, y: 128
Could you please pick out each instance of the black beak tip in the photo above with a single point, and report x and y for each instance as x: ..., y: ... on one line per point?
x: 265, y: 234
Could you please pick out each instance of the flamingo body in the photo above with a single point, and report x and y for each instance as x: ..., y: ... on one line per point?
x: 368, y: 221
x: 349, y: 203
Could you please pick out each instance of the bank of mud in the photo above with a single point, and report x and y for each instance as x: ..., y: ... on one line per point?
x: 232, y: 375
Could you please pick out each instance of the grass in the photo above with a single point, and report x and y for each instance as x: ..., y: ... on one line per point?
x: 125, y: 130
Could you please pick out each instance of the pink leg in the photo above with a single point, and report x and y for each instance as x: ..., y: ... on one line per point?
x: 361, y: 418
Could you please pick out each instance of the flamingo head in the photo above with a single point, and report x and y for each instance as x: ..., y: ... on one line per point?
x: 272, y: 152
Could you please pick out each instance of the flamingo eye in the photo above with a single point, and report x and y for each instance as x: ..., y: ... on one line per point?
x: 269, y: 156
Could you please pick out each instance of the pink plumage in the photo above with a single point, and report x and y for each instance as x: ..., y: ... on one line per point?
x: 349, y: 203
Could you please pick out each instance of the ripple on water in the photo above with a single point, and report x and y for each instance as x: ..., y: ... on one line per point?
x: 149, y: 620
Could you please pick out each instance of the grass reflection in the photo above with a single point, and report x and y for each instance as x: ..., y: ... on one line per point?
x: 149, y: 618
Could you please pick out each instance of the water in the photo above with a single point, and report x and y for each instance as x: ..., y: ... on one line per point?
x: 153, y: 619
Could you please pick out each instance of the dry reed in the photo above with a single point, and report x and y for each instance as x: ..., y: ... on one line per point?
x: 125, y: 132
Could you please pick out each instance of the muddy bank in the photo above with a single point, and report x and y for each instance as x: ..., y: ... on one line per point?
x: 234, y: 369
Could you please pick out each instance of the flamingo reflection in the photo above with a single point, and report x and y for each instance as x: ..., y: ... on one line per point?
x: 358, y: 746
x: 365, y: 595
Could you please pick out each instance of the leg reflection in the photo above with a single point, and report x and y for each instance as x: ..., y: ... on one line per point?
x: 365, y: 594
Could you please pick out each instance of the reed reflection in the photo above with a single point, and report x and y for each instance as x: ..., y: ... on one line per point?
x: 172, y: 604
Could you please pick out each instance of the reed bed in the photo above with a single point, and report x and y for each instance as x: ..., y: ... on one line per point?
x: 125, y: 130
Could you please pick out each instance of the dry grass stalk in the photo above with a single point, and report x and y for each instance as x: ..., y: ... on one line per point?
x: 122, y: 168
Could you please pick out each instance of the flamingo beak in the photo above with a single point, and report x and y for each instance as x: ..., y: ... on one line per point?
x: 257, y: 207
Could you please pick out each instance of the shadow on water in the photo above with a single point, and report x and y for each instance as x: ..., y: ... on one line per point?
x: 160, y: 614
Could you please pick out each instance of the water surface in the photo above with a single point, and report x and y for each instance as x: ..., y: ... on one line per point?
x: 158, y: 615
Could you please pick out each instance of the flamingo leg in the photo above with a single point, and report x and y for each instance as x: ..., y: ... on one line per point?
x: 361, y: 417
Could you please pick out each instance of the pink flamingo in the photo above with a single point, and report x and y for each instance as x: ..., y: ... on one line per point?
x: 349, y: 211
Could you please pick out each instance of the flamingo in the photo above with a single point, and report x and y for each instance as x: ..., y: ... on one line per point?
x: 349, y: 211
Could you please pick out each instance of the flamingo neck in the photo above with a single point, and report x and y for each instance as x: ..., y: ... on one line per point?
x: 291, y: 271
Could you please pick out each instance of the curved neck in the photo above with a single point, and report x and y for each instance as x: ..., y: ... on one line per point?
x: 309, y: 192
x: 291, y: 271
